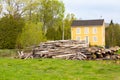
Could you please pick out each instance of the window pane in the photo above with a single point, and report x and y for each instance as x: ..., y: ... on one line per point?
x: 94, y: 30
x: 94, y: 38
x: 78, y: 30
x: 86, y: 30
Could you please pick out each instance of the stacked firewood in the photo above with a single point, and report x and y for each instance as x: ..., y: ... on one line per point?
x: 72, y: 50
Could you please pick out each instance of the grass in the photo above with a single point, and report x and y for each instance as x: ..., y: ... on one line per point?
x: 7, y: 52
x: 118, y: 52
x: 55, y: 69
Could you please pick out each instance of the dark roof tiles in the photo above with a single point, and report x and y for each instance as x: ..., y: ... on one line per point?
x: 87, y: 22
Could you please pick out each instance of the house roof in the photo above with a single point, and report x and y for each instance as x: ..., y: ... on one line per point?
x: 87, y: 22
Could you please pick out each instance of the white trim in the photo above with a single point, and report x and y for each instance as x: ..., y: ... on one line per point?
x: 95, y: 39
x: 86, y: 30
x: 94, y: 30
x: 87, y: 38
x: 78, y: 30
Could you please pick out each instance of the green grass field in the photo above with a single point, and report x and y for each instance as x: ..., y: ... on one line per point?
x: 118, y: 52
x: 55, y: 69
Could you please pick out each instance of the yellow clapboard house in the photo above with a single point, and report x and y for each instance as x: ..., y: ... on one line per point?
x: 92, y: 31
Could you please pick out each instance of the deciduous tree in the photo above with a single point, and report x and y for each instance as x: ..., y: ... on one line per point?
x: 67, y: 25
x: 51, y: 13
x: 31, y: 35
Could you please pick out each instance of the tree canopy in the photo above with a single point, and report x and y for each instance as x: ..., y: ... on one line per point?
x: 25, y: 23
x: 9, y: 31
x: 31, y: 35
x: 112, y: 35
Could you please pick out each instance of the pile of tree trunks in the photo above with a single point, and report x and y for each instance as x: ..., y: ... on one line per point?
x: 71, y: 50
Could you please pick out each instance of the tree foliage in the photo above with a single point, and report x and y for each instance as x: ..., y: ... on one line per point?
x: 31, y: 35
x: 54, y: 34
x: 1, y: 8
x: 112, y: 35
x: 67, y: 25
x: 9, y: 31
x: 51, y: 13
x: 24, y: 22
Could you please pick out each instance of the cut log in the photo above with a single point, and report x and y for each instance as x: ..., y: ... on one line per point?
x: 70, y: 49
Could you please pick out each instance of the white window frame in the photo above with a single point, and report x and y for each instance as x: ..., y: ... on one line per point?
x: 86, y: 30
x: 87, y: 38
x: 78, y: 38
x: 78, y: 31
x: 94, y: 39
x: 94, y: 30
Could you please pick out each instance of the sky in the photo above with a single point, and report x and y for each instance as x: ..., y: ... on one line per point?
x: 94, y: 9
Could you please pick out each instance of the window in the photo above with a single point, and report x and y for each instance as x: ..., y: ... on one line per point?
x: 86, y: 39
x: 94, y: 38
x: 78, y: 30
x: 86, y: 30
x: 94, y: 30
x: 78, y: 38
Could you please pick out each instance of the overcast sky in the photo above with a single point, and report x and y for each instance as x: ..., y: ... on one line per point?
x: 94, y: 9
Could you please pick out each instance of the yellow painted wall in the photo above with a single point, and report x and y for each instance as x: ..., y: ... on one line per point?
x: 100, y: 34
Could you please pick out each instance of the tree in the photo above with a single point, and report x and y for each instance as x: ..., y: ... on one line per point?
x: 112, y: 35
x: 19, y: 8
x: 117, y: 34
x: 111, y: 23
x: 51, y: 13
x: 31, y: 35
x: 54, y: 34
x: 51, y: 33
x: 58, y: 35
x: 9, y: 31
x: 1, y: 8
x: 31, y: 10
x: 22, y: 18
x: 13, y: 7
x: 67, y: 25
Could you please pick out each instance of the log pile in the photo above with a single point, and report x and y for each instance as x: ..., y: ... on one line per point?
x: 72, y: 50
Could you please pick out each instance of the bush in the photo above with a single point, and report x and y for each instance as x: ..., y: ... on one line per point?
x: 31, y: 35
x: 10, y: 28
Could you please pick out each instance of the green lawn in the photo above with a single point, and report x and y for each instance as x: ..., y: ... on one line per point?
x: 118, y: 52
x: 8, y: 52
x: 54, y: 69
